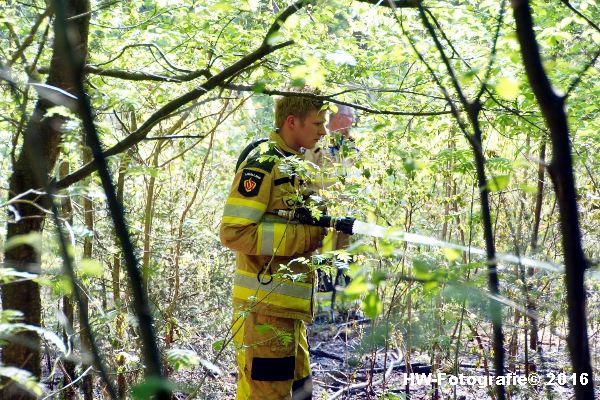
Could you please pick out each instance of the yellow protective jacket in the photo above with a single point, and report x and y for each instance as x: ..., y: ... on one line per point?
x: 264, y: 242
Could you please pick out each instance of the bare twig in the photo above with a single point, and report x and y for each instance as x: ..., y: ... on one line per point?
x: 361, y: 385
x: 577, y: 79
x: 395, y: 3
x: 580, y: 14
x: 29, y: 39
x: 150, y: 46
x: 167, y: 110
x: 492, y: 57
x: 140, y: 76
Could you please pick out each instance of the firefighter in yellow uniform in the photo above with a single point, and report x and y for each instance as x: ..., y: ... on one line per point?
x: 273, y: 294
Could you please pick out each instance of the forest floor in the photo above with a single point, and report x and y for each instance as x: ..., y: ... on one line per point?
x: 349, y: 362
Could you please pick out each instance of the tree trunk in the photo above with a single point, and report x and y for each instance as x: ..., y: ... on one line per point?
x: 116, y: 285
x: 88, y: 244
x: 36, y: 159
x: 531, y: 305
x: 560, y: 169
x: 69, y: 371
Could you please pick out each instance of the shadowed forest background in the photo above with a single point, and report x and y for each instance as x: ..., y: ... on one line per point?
x: 477, y: 124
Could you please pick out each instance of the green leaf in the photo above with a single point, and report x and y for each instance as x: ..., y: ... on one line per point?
x: 143, y: 170
x: 429, y: 285
x: 60, y: 284
x: 378, y: 277
x: 33, y: 239
x: 422, y: 269
x: 451, y: 254
x: 24, y: 379
x: 498, y: 183
x: 372, y: 305
x: 9, y: 275
x: 357, y: 287
x: 182, y: 359
x: 262, y: 328
x: 7, y: 316
x: 92, y: 268
x: 224, y: 6
x: 508, y: 88
x: 149, y: 387
x: 531, y: 189
x: 7, y: 331
x: 259, y: 87
x: 218, y: 345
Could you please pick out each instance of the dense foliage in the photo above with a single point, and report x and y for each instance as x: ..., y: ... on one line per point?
x: 415, y: 171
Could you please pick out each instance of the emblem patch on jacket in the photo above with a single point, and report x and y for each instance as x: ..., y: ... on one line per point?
x: 250, y: 182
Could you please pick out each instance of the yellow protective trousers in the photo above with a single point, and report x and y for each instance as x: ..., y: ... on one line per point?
x: 273, y: 358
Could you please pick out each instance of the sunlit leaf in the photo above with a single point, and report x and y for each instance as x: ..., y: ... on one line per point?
x: 498, y: 183
x: 451, y: 254
x: 24, y: 379
x: 508, y: 88
x: 341, y: 57
x: 33, y: 239
x: 356, y: 287
x: 7, y: 331
x: 218, y: 345
x: 182, y: 359
x: 372, y: 305
x: 90, y: 267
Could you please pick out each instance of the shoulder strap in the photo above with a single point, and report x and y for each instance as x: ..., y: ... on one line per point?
x: 244, y: 154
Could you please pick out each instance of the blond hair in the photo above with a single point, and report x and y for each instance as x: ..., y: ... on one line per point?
x: 296, y: 104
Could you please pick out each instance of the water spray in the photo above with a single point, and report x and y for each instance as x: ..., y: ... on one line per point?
x: 352, y: 226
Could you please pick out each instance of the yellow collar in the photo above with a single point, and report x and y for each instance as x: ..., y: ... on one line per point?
x: 276, y: 137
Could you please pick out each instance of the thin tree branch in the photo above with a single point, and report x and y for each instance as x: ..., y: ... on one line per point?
x: 576, y: 81
x: 492, y: 58
x: 453, y: 78
x: 29, y: 39
x: 100, y: 7
x: 580, y: 15
x: 165, y: 111
x: 454, y: 110
x: 177, y: 137
x: 396, y: 3
x: 331, y: 98
x: 141, y: 75
x: 280, y: 20
x: 150, y: 46
x: 473, y: 109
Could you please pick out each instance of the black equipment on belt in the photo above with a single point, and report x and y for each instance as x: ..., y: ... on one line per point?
x: 303, y: 216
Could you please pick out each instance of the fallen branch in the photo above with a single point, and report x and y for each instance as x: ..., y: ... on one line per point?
x: 361, y: 385
x: 324, y: 354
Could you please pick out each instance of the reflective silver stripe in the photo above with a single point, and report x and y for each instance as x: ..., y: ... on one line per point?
x: 275, y: 286
x: 250, y: 213
x: 268, y: 235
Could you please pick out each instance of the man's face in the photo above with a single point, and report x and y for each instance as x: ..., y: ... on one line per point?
x: 340, y: 123
x: 309, y: 131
